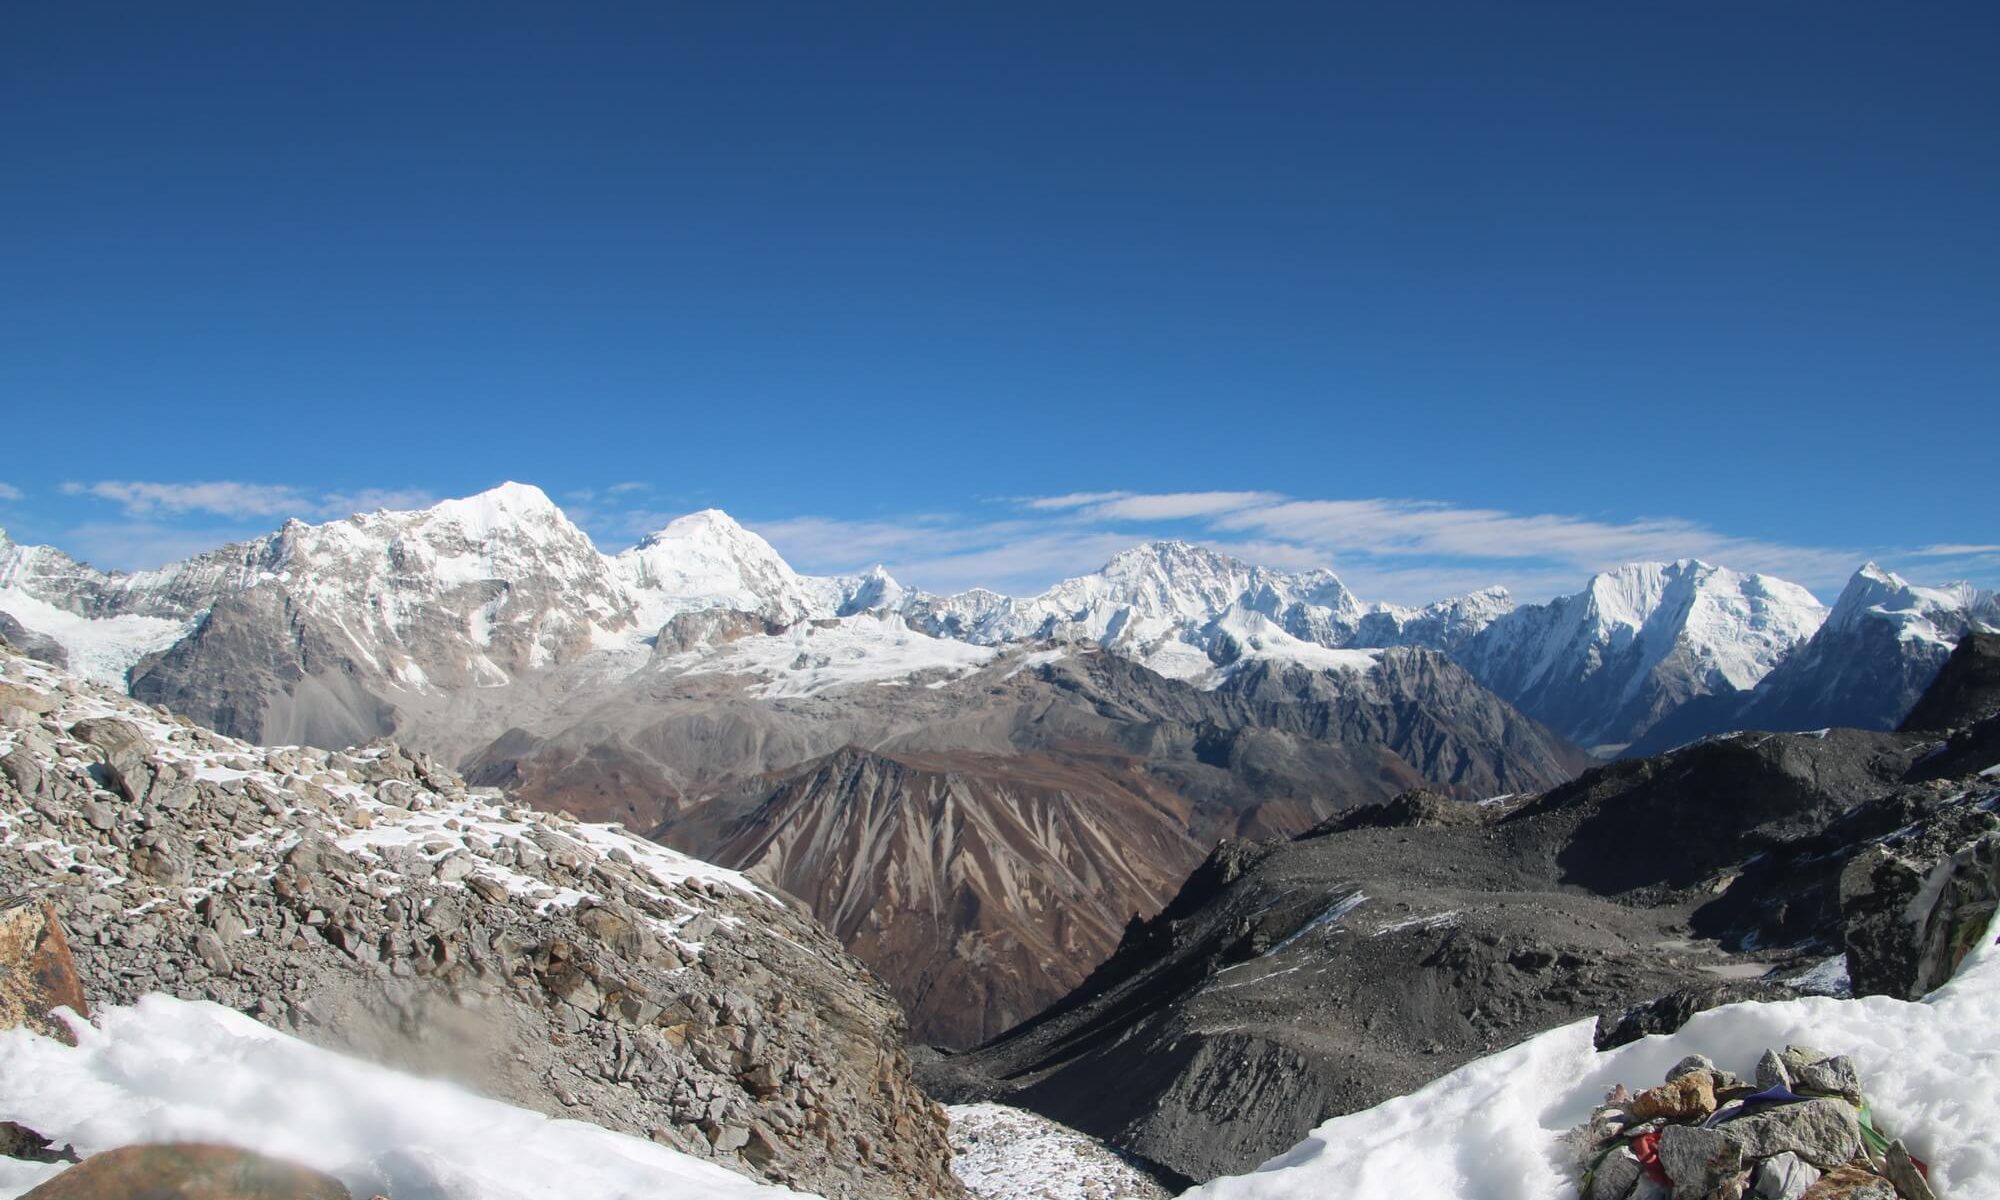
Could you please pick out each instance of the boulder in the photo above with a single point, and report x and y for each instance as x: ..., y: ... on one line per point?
x: 126, y: 770
x: 1825, y: 1133
x: 1902, y: 1171
x: 1685, y: 1097
x: 1850, y: 1183
x: 37, y: 974
x: 187, y: 1171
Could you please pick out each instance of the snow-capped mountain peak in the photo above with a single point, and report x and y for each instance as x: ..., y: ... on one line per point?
x: 1605, y: 663
x: 1934, y: 614
x: 707, y: 560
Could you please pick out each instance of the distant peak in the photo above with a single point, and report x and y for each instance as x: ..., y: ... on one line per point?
x: 515, y: 498
x: 1165, y: 551
x: 709, y: 524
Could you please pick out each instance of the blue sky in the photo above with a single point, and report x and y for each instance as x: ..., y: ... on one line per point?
x: 1437, y: 294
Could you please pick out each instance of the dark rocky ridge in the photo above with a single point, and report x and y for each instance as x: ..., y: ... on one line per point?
x: 1966, y: 690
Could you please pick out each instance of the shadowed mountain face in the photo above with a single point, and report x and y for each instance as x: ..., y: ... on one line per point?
x: 1292, y: 981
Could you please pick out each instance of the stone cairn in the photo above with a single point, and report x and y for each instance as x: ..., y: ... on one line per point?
x: 1800, y: 1130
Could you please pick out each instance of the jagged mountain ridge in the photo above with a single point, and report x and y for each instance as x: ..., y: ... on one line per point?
x: 414, y: 603
x: 696, y: 679
x: 1604, y: 664
x: 1879, y: 648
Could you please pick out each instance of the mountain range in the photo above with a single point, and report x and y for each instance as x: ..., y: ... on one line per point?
x: 976, y: 792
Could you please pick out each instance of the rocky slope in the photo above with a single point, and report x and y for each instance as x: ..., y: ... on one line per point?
x: 1289, y: 982
x: 369, y: 901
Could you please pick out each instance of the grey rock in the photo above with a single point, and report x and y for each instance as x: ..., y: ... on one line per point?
x: 1835, y: 1076
x: 1910, y: 1182
x: 1772, y: 1072
x: 125, y: 751
x: 18, y: 768
x: 1798, y: 1057
x: 455, y: 867
x: 1615, y: 1176
x: 1825, y: 1133
x: 209, y: 949
x: 1698, y: 1160
x: 1689, y: 1065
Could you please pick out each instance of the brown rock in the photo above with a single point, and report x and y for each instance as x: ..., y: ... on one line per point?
x: 37, y: 974
x: 1688, y: 1097
x: 1842, y: 1183
x: 187, y: 1171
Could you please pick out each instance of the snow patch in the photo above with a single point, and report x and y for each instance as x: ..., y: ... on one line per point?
x: 175, y: 1070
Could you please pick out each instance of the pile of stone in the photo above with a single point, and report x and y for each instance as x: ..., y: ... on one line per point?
x: 371, y: 902
x: 1799, y: 1130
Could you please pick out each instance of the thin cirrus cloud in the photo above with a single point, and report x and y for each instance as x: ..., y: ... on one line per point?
x: 1156, y: 506
x: 1405, y: 551
x: 144, y: 499
x: 9, y: 492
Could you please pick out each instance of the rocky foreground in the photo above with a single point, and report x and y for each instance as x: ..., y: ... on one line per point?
x: 370, y: 902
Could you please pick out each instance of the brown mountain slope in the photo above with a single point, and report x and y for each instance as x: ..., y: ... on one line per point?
x: 984, y: 885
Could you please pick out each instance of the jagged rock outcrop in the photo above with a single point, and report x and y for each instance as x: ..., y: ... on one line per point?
x: 32, y: 644
x: 369, y: 901
x: 1966, y: 690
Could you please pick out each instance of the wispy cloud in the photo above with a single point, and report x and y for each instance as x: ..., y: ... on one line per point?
x: 229, y: 499
x: 141, y: 545
x: 1952, y: 550
x: 1159, y: 506
x: 143, y: 499
x: 1382, y: 528
x: 1401, y: 550
x: 9, y: 492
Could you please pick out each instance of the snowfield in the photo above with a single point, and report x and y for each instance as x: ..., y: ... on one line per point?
x: 175, y: 1070
x: 1492, y: 1130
